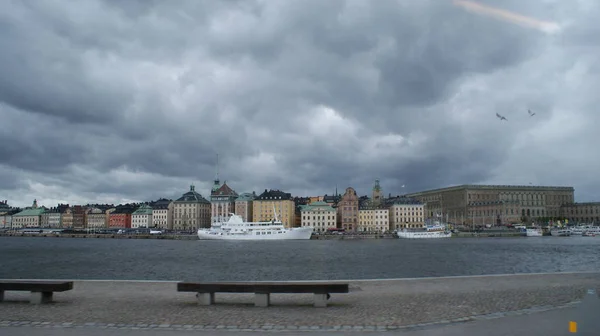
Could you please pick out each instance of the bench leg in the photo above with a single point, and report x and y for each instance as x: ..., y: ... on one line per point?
x: 205, y: 299
x: 321, y: 300
x: 262, y: 299
x: 1, y: 295
x: 40, y: 297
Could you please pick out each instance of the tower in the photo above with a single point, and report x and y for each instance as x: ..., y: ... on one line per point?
x: 217, y: 182
x: 377, y: 197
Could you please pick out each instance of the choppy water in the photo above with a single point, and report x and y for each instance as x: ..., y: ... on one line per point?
x: 68, y: 258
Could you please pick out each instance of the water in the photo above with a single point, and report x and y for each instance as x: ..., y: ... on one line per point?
x: 193, y: 260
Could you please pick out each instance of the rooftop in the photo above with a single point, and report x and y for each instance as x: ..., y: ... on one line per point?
x: 245, y: 197
x: 192, y: 197
x: 274, y: 195
x: 30, y: 212
x: 493, y: 187
x: 144, y: 209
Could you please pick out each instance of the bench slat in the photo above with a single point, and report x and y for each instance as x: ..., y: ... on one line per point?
x: 263, y: 287
x: 36, y: 286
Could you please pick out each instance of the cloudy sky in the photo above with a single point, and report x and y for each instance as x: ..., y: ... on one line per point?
x: 115, y: 101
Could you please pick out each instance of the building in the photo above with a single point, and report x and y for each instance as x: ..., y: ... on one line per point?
x: 162, y: 214
x: 347, y: 210
x: 142, y: 217
x: 79, y: 215
x: 274, y: 203
x: 470, y: 204
x: 587, y: 213
x: 191, y: 211
x: 222, y: 202
x: 50, y: 218
x: 319, y: 215
x: 6, y: 218
x: 243, y: 206
x: 96, y: 218
x: 121, y: 216
x: 373, y: 217
x: 4, y: 207
x: 66, y: 216
x: 28, y: 218
x: 406, y: 213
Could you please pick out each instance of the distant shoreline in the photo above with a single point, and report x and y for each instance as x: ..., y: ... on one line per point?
x: 194, y: 237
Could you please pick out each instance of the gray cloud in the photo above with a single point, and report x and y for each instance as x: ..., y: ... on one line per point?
x: 131, y: 100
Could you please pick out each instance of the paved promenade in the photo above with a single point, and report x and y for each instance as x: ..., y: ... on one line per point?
x: 389, y: 305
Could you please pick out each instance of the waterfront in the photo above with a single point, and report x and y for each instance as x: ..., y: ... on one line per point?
x: 150, y: 259
x: 370, y: 305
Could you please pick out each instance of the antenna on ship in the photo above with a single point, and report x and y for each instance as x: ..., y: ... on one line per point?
x: 275, y: 213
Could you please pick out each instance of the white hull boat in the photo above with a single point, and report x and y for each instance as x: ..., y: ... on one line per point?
x: 560, y: 232
x: 423, y: 234
x: 437, y: 230
x: 236, y: 229
x: 532, y: 232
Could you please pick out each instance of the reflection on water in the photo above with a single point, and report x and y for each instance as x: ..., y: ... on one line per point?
x: 67, y: 258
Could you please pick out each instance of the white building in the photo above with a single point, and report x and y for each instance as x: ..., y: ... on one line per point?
x: 162, y: 214
x: 407, y: 213
x: 30, y: 217
x: 373, y: 219
x: 318, y: 215
x: 142, y: 217
x: 96, y: 218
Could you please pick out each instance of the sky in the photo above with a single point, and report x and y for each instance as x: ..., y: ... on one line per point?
x: 132, y: 100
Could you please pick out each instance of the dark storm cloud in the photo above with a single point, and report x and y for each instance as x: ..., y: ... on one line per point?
x: 105, y: 100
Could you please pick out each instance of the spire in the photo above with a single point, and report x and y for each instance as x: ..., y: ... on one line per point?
x: 217, y: 182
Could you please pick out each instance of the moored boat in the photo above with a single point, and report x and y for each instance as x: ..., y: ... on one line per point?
x: 236, y: 229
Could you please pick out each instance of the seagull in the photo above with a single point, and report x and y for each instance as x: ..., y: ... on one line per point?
x: 501, y: 117
x: 531, y: 114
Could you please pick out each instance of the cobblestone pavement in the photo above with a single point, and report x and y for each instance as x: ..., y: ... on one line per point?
x: 371, y: 306
x: 548, y: 323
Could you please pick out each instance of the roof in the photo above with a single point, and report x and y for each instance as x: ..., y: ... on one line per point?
x: 161, y: 204
x: 402, y: 200
x: 246, y: 197
x: 274, y: 195
x: 30, y: 212
x: 223, y: 190
x: 493, y: 187
x: 192, y: 197
x: 145, y: 209
x: 317, y: 206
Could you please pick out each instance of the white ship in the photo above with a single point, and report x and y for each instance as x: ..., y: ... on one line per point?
x: 433, y: 231
x: 560, y: 232
x: 236, y: 229
x: 533, y: 232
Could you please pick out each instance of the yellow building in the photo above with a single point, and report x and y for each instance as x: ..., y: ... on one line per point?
x: 274, y: 200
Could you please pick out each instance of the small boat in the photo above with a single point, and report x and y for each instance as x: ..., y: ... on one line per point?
x: 589, y: 234
x: 533, y: 232
x: 436, y: 230
x: 560, y: 232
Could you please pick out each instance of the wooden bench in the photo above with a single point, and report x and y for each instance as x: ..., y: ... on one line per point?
x: 41, y: 291
x: 262, y: 290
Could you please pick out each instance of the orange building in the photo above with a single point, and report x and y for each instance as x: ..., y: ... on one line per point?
x: 121, y: 217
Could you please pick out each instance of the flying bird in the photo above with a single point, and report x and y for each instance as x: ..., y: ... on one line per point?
x: 531, y: 114
x: 501, y: 117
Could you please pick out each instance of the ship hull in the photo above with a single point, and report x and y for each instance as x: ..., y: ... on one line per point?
x: 423, y: 235
x: 287, y: 234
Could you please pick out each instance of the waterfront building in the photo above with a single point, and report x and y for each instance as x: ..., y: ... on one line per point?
x: 319, y: 215
x: 96, y: 218
x: 347, y: 210
x: 4, y: 207
x: 274, y: 200
x: 121, y: 216
x: 79, y: 215
x: 373, y: 217
x: 162, y: 214
x: 66, y: 216
x: 142, y: 217
x: 588, y: 212
x: 6, y: 218
x: 243, y: 205
x: 222, y: 202
x: 191, y: 211
x: 497, y: 204
x: 406, y: 213
x: 50, y: 218
x: 28, y: 218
